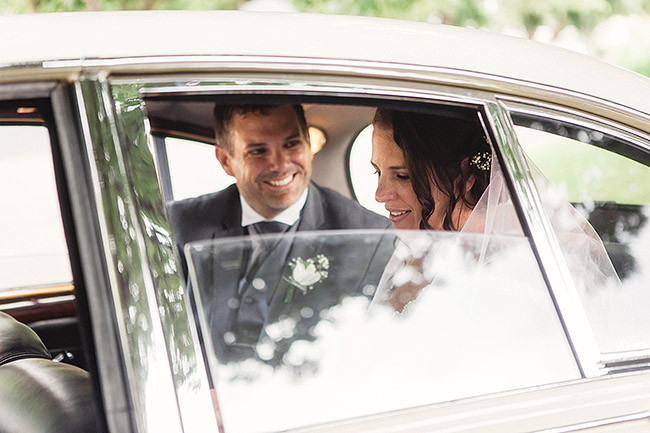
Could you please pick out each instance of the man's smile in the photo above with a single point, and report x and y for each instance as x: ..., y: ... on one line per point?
x: 280, y: 182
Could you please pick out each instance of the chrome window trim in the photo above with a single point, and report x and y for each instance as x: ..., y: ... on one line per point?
x: 91, y: 91
x: 545, y: 244
x: 167, y: 298
x: 232, y: 84
x: 366, y: 68
x: 635, y: 137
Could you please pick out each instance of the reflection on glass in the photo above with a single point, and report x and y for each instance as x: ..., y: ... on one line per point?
x: 608, y: 182
x: 328, y: 326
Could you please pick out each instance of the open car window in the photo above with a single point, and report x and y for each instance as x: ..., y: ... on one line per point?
x: 409, y: 318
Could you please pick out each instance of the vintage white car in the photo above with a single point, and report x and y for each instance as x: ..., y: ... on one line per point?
x: 106, y: 119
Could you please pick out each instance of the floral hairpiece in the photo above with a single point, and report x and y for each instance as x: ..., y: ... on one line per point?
x: 482, y: 161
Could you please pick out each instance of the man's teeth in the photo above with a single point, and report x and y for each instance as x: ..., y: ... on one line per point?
x: 396, y: 214
x: 281, y: 182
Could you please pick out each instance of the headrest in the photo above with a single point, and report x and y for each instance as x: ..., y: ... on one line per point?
x: 18, y: 341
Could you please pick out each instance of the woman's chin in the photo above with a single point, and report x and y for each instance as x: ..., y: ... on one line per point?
x: 406, y: 224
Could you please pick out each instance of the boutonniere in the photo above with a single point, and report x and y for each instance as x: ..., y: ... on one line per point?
x: 306, y: 273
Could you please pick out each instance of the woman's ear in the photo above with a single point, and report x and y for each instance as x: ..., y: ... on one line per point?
x: 469, y: 184
x: 471, y: 179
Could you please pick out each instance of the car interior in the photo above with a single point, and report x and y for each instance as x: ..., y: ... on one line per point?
x: 43, y: 367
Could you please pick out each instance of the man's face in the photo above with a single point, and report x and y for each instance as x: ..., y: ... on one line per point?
x: 269, y: 158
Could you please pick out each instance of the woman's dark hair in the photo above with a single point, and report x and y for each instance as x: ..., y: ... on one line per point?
x: 435, y: 147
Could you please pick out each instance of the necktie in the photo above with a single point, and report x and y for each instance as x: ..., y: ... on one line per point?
x: 256, y: 287
x: 264, y: 227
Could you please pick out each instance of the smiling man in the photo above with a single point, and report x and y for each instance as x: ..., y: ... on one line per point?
x: 267, y: 150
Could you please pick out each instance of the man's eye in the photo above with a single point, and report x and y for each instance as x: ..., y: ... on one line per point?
x: 257, y: 151
x: 292, y: 143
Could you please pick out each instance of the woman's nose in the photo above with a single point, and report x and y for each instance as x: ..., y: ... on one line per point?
x: 384, y: 191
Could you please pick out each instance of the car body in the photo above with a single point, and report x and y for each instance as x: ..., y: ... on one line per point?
x: 111, y: 90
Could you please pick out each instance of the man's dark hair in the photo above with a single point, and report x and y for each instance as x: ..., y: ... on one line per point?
x: 223, y: 115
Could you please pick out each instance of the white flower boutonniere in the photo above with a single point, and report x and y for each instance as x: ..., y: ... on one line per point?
x: 306, y: 273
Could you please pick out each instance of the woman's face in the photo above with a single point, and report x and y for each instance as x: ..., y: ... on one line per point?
x: 394, y: 184
x: 395, y: 190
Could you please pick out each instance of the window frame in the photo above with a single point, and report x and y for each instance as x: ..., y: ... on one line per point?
x: 295, y: 82
x: 501, y: 135
x: 640, y: 142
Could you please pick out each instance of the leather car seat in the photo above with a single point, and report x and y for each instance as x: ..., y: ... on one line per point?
x: 36, y: 393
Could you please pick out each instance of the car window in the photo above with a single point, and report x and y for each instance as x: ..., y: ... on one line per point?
x: 608, y: 182
x: 362, y: 175
x: 33, y: 251
x: 480, y: 320
x: 193, y: 168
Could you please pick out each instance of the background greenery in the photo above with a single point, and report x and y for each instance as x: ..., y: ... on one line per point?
x: 615, y: 30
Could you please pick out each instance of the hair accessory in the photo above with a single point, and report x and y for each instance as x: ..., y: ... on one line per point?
x: 482, y: 161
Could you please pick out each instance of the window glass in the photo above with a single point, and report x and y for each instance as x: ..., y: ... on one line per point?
x: 362, y: 175
x: 609, y: 185
x: 33, y: 251
x: 194, y: 168
x: 453, y: 315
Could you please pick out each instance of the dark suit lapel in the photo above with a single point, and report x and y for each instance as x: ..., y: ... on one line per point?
x: 231, y: 223
x: 312, y: 216
x: 229, y: 266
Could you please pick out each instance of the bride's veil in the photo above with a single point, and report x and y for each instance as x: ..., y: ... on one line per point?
x: 583, y: 250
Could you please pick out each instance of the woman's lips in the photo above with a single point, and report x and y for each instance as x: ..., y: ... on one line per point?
x: 398, y: 215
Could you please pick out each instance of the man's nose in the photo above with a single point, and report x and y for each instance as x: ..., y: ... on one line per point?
x: 279, y: 159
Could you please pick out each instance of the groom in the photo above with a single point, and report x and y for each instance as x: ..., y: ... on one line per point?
x: 266, y: 149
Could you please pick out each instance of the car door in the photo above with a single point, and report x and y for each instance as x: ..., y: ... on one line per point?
x: 575, y: 338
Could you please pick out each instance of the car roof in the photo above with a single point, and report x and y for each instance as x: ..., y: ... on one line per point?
x: 36, y: 38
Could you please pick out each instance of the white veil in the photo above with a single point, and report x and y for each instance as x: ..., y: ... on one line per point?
x: 583, y: 250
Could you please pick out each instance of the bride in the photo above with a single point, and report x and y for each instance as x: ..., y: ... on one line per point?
x: 439, y: 173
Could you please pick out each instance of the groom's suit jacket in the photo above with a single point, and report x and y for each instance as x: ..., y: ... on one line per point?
x: 220, y: 268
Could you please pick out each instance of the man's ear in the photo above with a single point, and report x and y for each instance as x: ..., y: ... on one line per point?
x: 224, y: 159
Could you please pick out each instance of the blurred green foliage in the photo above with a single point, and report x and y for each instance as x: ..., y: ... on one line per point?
x: 583, y: 14
x: 522, y: 17
x: 31, y: 6
x: 456, y: 12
